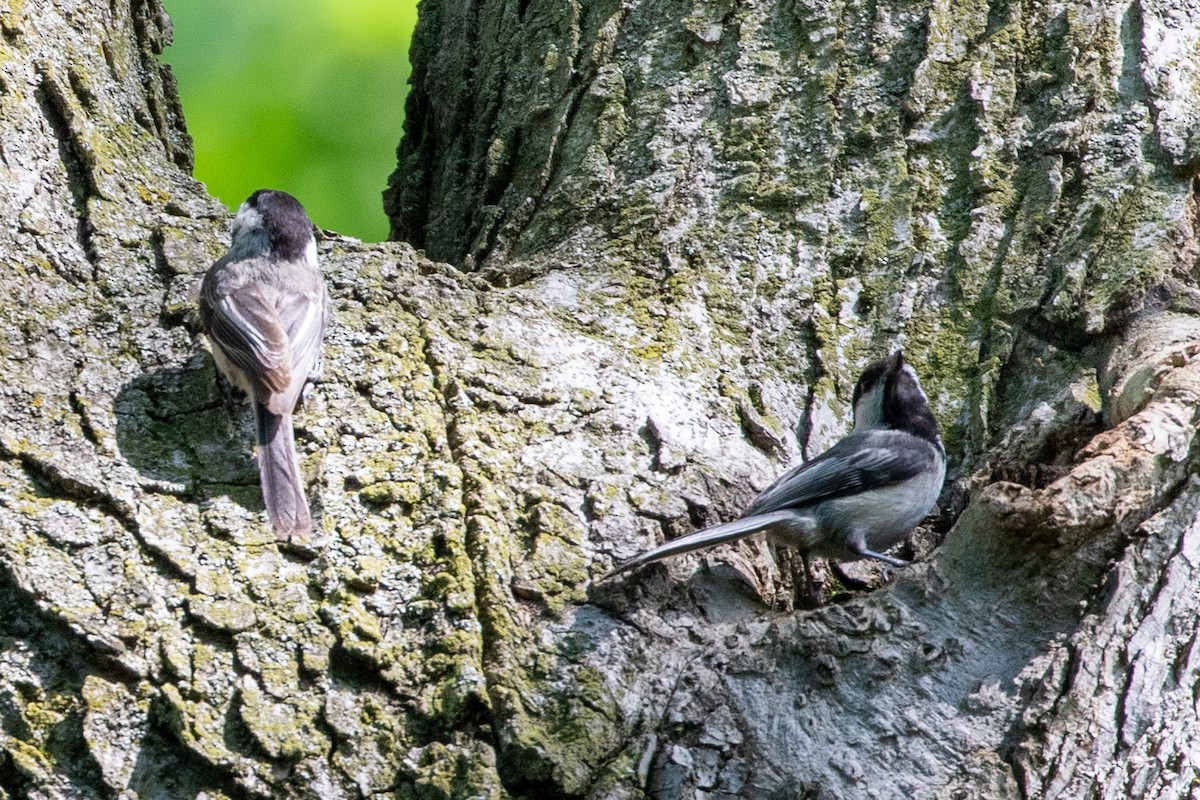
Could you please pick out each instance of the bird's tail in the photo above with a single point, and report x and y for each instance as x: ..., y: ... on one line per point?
x: 717, y: 534
x: 279, y: 470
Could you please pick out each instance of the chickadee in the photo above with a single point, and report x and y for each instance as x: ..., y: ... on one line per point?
x: 264, y: 306
x: 858, y: 498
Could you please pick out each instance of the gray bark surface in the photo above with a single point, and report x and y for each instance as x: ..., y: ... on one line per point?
x: 679, y: 231
x: 781, y: 190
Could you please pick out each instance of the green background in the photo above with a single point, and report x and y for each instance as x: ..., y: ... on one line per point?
x: 301, y: 95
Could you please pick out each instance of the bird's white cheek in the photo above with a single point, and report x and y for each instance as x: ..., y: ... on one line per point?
x: 868, y: 411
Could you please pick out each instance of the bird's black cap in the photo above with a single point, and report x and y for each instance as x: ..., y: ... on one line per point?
x: 284, y: 220
x: 904, y: 406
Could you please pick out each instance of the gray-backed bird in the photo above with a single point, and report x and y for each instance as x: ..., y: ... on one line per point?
x: 264, y: 306
x: 857, y: 499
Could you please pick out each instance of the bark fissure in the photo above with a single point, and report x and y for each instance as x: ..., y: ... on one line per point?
x: 695, y: 223
x: 76, y: 159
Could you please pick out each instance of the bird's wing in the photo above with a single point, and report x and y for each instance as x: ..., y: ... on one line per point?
x: 248, y: 329
x: 861, y: 461
x: 304, y: 315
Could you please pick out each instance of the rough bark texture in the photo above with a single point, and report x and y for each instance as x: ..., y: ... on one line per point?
x: 680, y: 230
x: 739, y: 204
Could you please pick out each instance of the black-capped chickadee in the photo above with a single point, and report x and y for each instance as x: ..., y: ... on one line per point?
x: 858, y: 498
x: 264, y: 306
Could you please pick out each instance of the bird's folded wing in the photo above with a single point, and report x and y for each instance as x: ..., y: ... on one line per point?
x: 246, y: 326
x: 858, y: 463
x: 304, y: 316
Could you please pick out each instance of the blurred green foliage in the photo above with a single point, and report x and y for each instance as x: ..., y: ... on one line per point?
x: 301, y: 95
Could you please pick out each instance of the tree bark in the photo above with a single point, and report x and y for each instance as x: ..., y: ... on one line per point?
x: 751, y: 199
x: 678, y: 231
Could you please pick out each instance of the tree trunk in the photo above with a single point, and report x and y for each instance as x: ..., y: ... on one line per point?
x: 680, y: 231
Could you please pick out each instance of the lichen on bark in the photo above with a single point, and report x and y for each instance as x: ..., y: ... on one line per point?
x: 678, y: 230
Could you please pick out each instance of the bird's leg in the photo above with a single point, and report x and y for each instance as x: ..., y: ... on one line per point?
x: 895, y: 562
x: 310, y: 383
x: 305, y: 392
x: 856, y: 543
